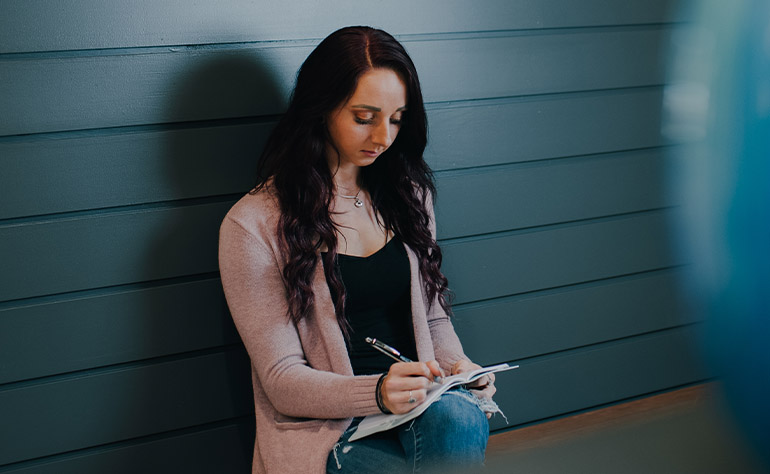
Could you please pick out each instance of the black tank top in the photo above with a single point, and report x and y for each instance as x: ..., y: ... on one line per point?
x: 378, y: 305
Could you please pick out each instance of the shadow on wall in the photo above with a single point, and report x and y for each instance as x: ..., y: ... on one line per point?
x: 220, y: 112
x: 233, y: 97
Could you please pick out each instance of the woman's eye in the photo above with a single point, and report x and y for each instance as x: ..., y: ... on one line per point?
x: 364, y: 120
x: 395, y: 121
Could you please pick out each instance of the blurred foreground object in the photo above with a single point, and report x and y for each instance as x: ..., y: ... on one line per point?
x: 718, y: 105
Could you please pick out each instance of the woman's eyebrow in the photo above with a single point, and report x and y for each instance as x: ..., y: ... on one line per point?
x: 367, y: 107
x: 375, y: 109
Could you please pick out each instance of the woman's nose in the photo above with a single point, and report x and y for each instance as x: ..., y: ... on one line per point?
x: 381, y: 135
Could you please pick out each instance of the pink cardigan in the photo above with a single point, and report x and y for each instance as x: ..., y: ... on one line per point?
x: 305, y: 393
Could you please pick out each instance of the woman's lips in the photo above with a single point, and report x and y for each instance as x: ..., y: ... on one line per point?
x: 371, y: 154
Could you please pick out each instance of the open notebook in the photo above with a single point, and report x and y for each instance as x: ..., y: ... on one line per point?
x: 381, y: 422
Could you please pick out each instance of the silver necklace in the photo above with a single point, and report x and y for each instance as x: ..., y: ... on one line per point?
x: 358, y: 202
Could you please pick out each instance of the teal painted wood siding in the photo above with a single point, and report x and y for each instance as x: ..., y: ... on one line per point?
x: 127, y: 132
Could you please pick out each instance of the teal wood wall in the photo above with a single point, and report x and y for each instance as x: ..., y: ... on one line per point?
x: 128, y: 130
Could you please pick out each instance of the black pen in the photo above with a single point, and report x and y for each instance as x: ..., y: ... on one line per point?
x: 387, y: 350
x: 392, y: 353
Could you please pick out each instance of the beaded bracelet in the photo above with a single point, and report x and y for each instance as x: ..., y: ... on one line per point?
x: 378, y: 395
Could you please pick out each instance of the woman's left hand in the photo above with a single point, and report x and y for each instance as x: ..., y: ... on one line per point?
x: 483, y: 387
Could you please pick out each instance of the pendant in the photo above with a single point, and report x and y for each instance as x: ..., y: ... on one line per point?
x: 359, y: 203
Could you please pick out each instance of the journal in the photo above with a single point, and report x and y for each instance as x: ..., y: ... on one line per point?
x: 381, y: 422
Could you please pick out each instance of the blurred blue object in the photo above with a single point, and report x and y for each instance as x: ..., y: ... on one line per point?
x: 718, y: 105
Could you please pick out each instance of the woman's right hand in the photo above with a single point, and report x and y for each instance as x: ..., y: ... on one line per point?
x: 405, y: 379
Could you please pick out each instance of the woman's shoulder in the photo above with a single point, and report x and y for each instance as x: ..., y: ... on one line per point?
x: 257, y: 212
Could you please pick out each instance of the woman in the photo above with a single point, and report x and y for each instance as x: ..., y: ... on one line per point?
x: 337, y: 243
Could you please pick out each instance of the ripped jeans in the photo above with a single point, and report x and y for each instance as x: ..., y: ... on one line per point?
x: 450, y: 436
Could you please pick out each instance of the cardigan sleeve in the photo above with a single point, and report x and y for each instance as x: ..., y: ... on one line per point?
x: 446, y: 345
x: 256, y: 296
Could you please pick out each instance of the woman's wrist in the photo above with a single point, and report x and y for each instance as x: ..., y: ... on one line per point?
x: 378, y: 395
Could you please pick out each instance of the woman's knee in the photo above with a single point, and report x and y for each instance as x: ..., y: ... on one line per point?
x: 456, y: 426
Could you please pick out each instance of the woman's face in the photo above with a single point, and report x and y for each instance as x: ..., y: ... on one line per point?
x: 366, y: 125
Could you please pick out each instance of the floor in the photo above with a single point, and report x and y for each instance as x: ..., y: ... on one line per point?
x: 678, y: 432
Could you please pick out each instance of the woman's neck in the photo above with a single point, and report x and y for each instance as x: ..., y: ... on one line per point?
x: 347, y: 179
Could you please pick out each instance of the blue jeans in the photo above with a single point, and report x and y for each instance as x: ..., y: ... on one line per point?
x: 450, y: 435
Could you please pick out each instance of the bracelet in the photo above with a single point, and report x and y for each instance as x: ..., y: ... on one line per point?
x: 378, y: 395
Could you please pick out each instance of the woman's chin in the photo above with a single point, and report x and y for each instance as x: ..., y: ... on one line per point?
x: 366, y: 161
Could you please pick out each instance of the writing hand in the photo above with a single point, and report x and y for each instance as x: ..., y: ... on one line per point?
x: 405, y: 380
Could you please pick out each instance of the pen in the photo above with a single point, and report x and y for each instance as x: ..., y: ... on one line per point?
x: 387, y: 350
x: 392, y: 353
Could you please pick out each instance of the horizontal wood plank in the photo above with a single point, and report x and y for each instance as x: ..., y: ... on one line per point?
x: 48, y: 175
x: 86, y: 332
x: 536, y: 128
x: 54, y: 417
x: 491, y: 267
x: 550, y: 321
x: 586, y: 378
x: 45, y: 173
x: 146, y: 23
x: 98, y: 91
x: 228, y: 448
x: 63, y: 255
x: 497, y: 199
x: 71, y: 173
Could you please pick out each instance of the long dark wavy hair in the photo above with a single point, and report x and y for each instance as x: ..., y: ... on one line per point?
x: 294, y: 164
